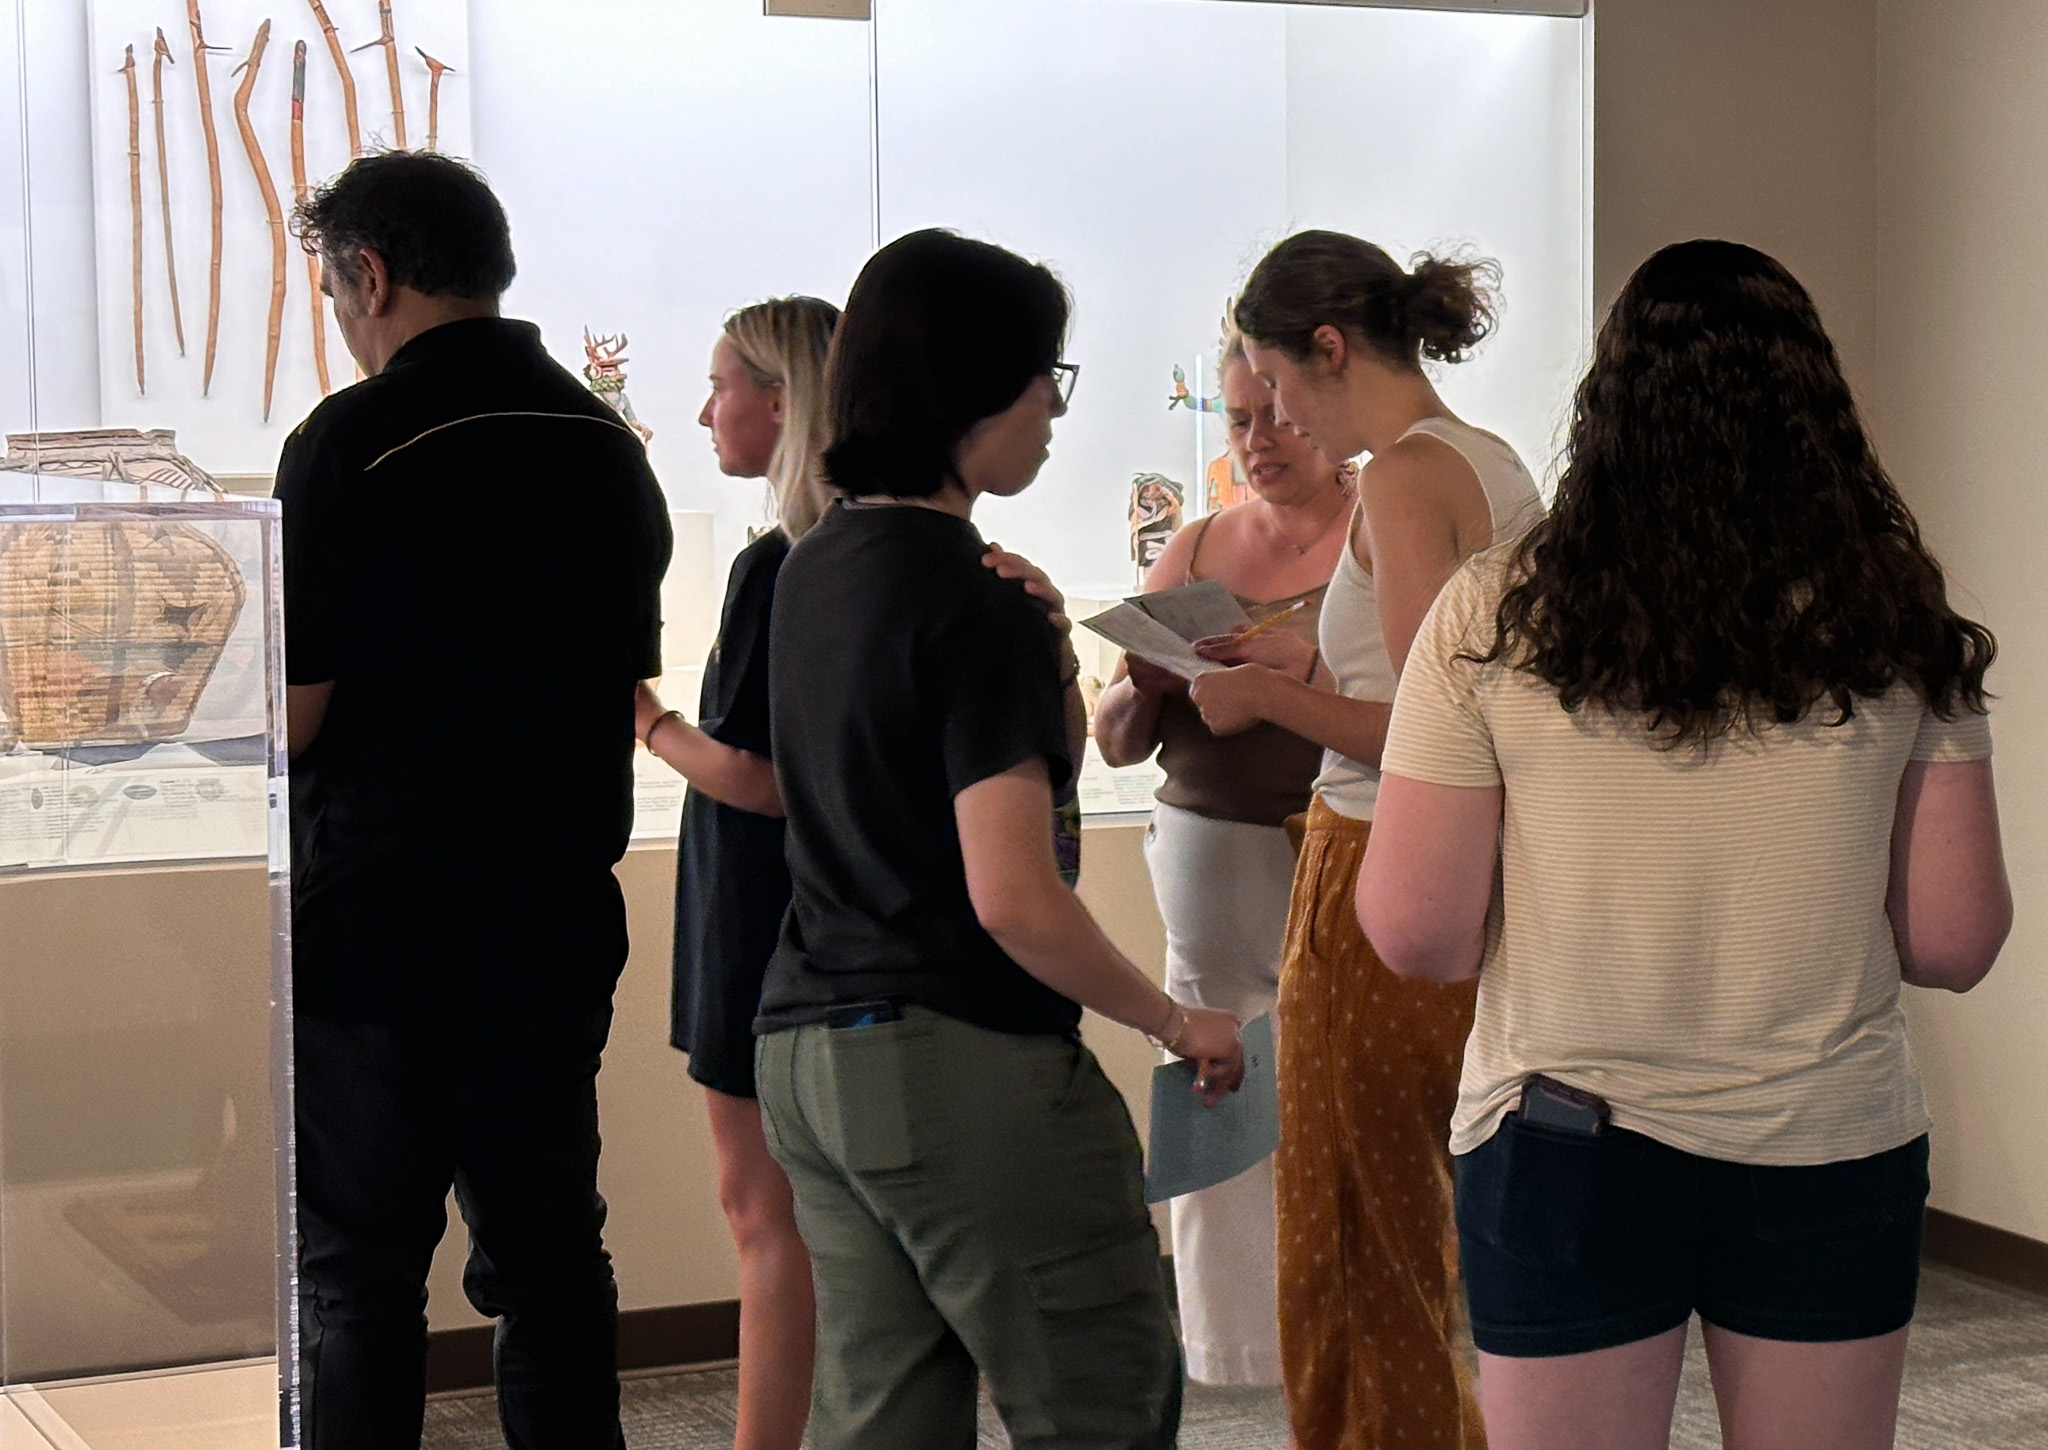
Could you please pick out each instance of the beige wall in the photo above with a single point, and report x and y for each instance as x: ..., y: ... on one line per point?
x: 1961, y: 384
x: 1745, y: 119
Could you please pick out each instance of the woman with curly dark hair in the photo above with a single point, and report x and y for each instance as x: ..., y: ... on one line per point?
x: 1715, y: 731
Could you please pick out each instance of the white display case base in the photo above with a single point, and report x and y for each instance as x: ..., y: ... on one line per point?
x: 219, y: 1407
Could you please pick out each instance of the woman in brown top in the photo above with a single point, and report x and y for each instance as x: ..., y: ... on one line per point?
x: 1221, y: 864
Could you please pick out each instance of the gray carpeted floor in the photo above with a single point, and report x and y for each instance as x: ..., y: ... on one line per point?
x: 1976, y: 1379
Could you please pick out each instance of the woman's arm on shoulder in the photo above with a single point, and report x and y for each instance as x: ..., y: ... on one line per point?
x: 729, y: 775
x: 1949, y: 900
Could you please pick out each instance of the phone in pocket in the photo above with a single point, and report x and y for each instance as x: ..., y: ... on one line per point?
x: 1548, y: 1103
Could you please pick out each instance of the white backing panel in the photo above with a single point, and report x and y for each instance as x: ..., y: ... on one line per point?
x: 223, y: 428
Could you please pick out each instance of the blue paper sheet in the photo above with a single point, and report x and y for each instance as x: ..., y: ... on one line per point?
x: 1194, y: 1147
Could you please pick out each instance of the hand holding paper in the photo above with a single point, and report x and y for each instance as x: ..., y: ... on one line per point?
x: 1194, y: 1147
x: 1160, y: 628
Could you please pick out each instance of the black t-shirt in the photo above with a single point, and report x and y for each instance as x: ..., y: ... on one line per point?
x: 473, y: 553
x: 732, y: 884
x: 902, y: 672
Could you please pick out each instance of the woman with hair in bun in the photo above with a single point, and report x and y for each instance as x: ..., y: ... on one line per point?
x: 766, y: 415
x: 1369, y: 1298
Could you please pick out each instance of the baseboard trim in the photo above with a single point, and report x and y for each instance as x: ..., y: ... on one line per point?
x: 674, y: 1335
x: 2007, y: 1259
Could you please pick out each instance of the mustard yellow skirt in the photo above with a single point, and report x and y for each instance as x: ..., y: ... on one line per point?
x: 1372, y: 1348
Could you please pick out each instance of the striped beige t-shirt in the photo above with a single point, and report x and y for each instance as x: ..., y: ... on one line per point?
x: 1699, y: 937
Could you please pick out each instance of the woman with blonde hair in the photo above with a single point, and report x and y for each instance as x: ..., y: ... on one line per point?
x: 1220, y: 860
x: 767, y: 419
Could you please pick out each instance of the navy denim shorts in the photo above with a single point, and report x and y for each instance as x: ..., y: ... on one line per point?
x: 1573, y: 1243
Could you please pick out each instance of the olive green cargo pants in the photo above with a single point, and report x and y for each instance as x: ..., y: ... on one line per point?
x: 972, y: 1201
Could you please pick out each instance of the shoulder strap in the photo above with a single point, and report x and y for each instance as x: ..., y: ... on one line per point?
x: 1201, y: 534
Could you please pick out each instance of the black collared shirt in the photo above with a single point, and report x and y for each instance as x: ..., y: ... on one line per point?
x: 473, y: 553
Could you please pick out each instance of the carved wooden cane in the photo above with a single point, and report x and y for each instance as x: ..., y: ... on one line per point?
x: 435, y: 69
x: 163, y: 182
x: 348, y: 80
x: 388, y: 40
x: 271, y: 208
x: 299, y: 190
x: 127, y: 73
x: 199, y: 50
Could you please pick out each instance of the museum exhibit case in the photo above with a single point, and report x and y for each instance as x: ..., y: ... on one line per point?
x: 145, y: 1170
x: 661, y: 164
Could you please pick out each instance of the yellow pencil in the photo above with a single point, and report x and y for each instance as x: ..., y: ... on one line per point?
x: 1270, y: 620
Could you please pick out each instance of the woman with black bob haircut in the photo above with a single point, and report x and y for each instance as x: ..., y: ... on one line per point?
x: 966, y: 1179
x: 1718, y: 736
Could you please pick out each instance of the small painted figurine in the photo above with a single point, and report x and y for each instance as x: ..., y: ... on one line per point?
x: 1182, y: 398
x: 605, y: 371
x: 1154, y: 515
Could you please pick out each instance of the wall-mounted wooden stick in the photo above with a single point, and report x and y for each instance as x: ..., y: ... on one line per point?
x: 435, y: 69
x: 163, y: 183
x: 199, y: 50
x: 299, y: 192
x: 127, y: 73
x: 348, y: 80
x: 389, y: 41
x: 271, y: 208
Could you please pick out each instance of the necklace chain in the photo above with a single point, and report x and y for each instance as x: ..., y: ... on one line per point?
x: 1301, y: 550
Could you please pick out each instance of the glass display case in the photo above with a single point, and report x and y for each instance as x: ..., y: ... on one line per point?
x: 145, y: 1179
x: 663, y: 164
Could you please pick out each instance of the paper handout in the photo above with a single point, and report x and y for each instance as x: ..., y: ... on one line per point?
x: 1195, y: 1147
x: 1195, y: 611
x: 1136, y: 632
x: 1161, y: 628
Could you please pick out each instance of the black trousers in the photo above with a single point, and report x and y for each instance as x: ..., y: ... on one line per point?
x: 388, y: 1118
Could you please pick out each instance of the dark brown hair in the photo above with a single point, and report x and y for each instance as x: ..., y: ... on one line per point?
x: 1440, y: 310
x: 1725, y: 550
x: 939, y: 332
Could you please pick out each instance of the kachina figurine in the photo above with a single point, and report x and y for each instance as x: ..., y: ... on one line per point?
x: 1155, y: 514
x: 605, y: 371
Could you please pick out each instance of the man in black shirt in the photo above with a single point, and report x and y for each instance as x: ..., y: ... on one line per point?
x: 473, y: 550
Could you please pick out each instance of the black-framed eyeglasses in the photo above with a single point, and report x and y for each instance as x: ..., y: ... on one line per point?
x: 1064, y: 375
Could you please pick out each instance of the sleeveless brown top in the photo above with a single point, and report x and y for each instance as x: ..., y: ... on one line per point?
x: 1259, y: 777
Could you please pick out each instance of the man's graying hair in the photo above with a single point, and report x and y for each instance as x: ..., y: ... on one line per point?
x: 431, y: 218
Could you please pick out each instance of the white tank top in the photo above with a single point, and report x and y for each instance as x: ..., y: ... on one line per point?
x: 1353, y: 646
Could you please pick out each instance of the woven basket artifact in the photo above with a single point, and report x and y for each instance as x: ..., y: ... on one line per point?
x: 109, y: 631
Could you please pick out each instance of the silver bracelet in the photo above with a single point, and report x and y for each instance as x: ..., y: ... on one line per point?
x: 1171, y: 1030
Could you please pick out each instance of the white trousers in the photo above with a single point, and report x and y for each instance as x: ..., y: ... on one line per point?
x: 1222, y: 888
